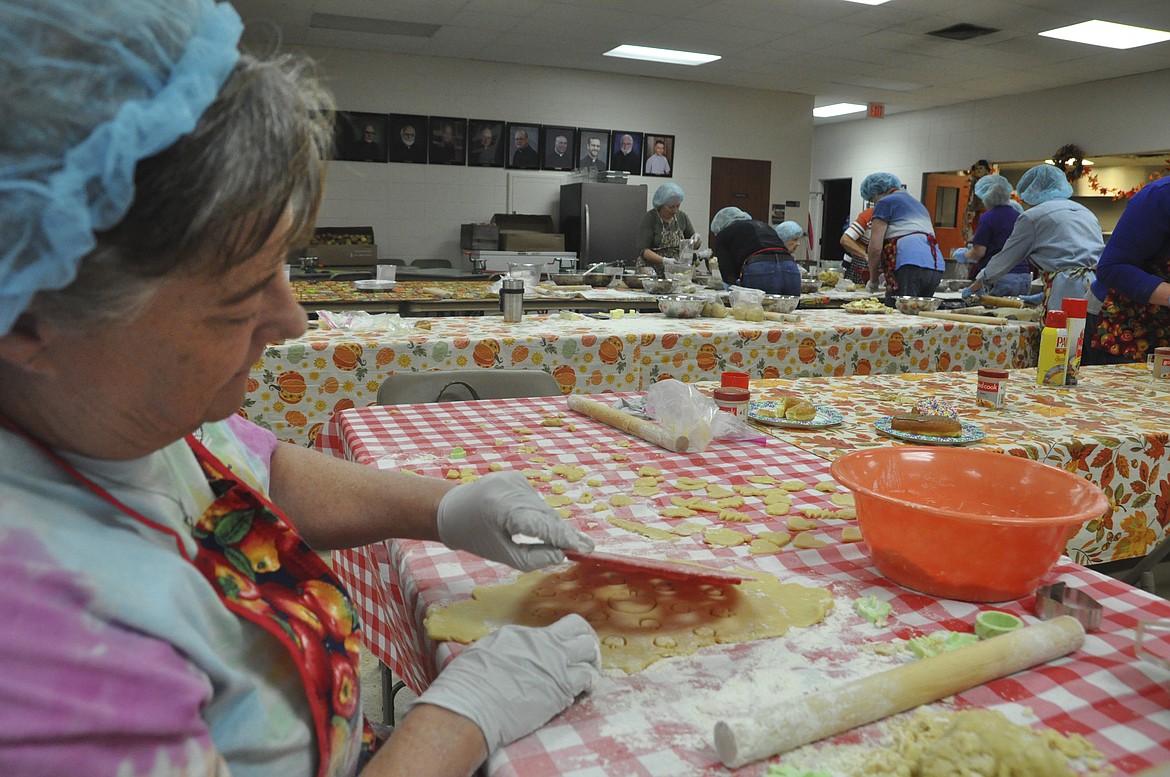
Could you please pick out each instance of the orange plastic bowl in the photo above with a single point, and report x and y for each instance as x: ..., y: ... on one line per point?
x: 965, y: 524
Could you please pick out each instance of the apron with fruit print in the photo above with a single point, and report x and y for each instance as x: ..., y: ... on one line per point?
x: 1131, y: 328
x: 890, y: 259
x: 265, y: 573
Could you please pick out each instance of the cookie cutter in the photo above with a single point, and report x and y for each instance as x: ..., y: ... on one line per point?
x: 1058, y: 599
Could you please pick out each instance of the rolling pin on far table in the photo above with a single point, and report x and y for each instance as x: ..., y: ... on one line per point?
x: 853, y: 703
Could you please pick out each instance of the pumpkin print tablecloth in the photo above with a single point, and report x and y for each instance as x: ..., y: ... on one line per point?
x: 1111, y: 429
x: 295, y: 387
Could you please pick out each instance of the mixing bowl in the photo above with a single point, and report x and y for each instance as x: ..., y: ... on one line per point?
x: 633, y: 281
x: 780, y: 303
x: 965, y: 524
x: 914, y: 305
x: 681, y: 305
x: 809, y: 285
x: 659, y: 285
x: 580, y: 279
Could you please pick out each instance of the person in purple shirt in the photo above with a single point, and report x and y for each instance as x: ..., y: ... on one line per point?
x: 1133, y: 283
x: 995, y: 227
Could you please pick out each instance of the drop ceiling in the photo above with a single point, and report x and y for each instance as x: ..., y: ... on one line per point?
x: 831, y: 49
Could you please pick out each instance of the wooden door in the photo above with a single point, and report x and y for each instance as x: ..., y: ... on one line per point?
x: 945, y: 196
x: 742, y: 183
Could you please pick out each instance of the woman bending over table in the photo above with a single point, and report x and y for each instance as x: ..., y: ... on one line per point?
x: 996, y: 222
x: 752, y: 254
x: 902, y: 245
x: 163, y: 611
x: 1059, y: 237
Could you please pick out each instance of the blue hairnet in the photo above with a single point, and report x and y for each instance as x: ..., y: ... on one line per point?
x: 879, y: 183
x: 92, y: 87
x: 726, y: 216
x: 787, y: 230
x: 1017, y: 206
x: 1043, y: 183
x: 667, y: 192
x: 994, y: 190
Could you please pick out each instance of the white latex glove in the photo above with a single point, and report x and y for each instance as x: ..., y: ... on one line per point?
x: 483, y: 516
x: 871, y: 286
x: 514, y: 680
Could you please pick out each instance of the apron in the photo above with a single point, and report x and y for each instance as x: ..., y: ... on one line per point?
x: 890, y: 258
x: 241, y: 516
x: 1133, y: 329
x: 1067, y: 284
x: 672, y: 235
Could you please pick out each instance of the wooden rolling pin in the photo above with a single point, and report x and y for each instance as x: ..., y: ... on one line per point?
x: 1000, y: 302
x: 790, y: 317
x: 639, y: 427
x: 813, y: 717
x: 963, y: 317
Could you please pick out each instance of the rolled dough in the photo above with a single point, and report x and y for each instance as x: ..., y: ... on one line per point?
x: 640, y: 619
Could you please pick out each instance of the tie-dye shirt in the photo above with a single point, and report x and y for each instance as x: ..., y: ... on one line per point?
x: 117, y: 659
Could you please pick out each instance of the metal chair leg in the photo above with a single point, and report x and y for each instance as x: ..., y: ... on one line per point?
x: 390, y: 689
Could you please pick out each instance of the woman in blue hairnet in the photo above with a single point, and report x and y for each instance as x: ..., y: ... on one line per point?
x: 1061, y: 238
x: 1133, y: 283
x: 995, y: 226
x: 902, y: 245
x: 754, y: 255
x: 163, y: 610
x: 663, y: 228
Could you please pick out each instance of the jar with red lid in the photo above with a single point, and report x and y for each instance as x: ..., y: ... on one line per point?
x: 732, y: 399
x: 991, y: 387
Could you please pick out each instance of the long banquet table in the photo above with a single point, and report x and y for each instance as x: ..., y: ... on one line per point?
x: 659, y: 721
x: 296, y: 386
x: 1112, y: 429
x: 415, y: 298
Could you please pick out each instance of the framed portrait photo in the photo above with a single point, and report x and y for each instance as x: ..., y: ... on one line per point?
x: 359, y: 137
x: 558, y: 144
x: 448, y: 141
x: 593, y: 149
x: 485, y: 143
x: 625, y: 152
x: 658, y: 155
x: 408, y: 137
x: 523, y: 146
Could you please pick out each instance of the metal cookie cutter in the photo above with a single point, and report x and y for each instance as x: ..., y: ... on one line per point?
x: 1058, y: 599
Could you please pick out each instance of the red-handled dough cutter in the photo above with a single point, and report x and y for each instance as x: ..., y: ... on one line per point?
x: 674, y: 570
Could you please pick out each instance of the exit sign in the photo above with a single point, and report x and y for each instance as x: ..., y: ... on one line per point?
x: 877, y: 110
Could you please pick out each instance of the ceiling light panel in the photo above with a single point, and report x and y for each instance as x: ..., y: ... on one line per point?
x: 838, y: 109
x: 1108, y: 34
x: 669, y: 56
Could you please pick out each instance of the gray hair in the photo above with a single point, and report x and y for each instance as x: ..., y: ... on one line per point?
x: 213, y: 198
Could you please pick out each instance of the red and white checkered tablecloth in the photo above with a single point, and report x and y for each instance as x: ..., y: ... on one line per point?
x: 660, y: 721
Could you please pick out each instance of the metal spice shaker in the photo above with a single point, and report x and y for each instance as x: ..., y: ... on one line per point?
x: 512, y: 299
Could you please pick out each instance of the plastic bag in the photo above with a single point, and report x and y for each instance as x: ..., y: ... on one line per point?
x: 683, y: 410
x: 747, y: 304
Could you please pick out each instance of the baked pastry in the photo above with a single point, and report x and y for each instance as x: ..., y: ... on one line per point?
x: 799, y: 410
x: 926, y: 425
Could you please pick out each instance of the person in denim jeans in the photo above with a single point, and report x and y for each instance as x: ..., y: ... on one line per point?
x: 753, y: 255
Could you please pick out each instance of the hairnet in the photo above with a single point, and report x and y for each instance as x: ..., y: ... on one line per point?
x: 879, y: 183
x: 92, y: 87
x: 787, y: 230
x: 994, y: 190
x: 1043, y: 183
x: 726, y: 216
x: 667, y: 192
